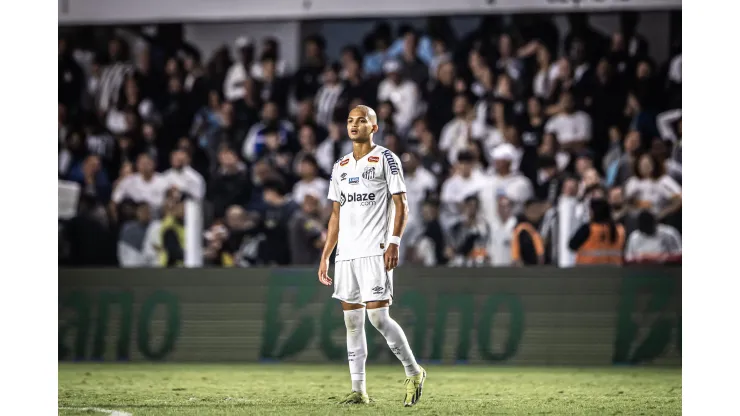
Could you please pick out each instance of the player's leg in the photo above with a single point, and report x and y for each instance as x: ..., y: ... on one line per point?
x: 376, y: 286
x: 346, y: 289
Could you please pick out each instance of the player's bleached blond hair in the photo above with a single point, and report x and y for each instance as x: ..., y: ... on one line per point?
x: 369, y: 113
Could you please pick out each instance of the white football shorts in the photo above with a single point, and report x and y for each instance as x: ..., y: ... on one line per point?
x: 362, y: 280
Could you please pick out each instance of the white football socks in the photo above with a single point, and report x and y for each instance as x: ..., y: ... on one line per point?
x: 396, y: 339
x: 354, y: 320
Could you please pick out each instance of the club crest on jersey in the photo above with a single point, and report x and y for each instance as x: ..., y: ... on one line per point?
x: 344, y: 162
x: 354, y: 181
x: 342, y: 177
x: 373, y: 159
x: 369, y: 173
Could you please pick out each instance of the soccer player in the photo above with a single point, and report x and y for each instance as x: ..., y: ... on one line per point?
x: 367, y: 221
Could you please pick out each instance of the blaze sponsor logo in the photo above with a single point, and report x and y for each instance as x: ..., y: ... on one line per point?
x: 392, y: 165
x: 365, y: 199
x: 354, y: 181
x: 344, y: 162
x: 373, y: 159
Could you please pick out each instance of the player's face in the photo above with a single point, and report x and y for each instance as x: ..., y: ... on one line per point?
x: 359, y: 126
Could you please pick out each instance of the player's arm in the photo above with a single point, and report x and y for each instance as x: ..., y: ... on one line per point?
x: 397, y: 188
x: 332, y: 233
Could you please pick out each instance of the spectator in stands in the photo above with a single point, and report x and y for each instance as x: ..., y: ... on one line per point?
x: 502, y: 232
x: 443, y: 91
x: 601, y: 241
x: 270, y: 48
x: 464, y: 182
x: 572, y: 128
x: 527, y: 247
x: 307, y: 79
x: 469, y: 237
x: 621, y: 170
x: 145, y: 185
x: 152, y: 145
x: 132, y: 240
x: 456, y: 134
x: 412, y: 67
x: 310, y: 182
x: 549, y: 180
x: 402, y: 92
x: 230, y: 184
x: 72, y: 153
x: 254, y: 143
x: 271, y: 86
x: 71, y: 78
x: 239, y: 71
x: 92, y: 178
x: 432, y: 158
x: 420, y: 183
x: 333, y: 147
x: 652, y: 189
x: 306, y: 230
x: 543, y: 81
x: 172, y: 231
x: 328, y: 95
x: 183, y: 177
x: 276, y: 214
x: 652, y: 242
x: 504, y: 180
x: 507, y: 63
x: 620, y: 209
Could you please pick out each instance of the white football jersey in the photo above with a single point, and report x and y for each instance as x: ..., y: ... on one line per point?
x: 363, y: 189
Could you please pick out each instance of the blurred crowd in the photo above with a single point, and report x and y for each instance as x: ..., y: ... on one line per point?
x: 499, y: 130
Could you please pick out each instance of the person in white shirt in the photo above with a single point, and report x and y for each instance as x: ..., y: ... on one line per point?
x: 183, y: 177
x: 504, y: 180
x: 572, y: 128
x: 464, y: 182
x: 145, y: 185
x: 456, y: 134
x: 310, y: 182
x: 652, y: 242
x: 238, y: 72
x: 402, y: 93
x: 419, y: 183
x: 502, y: 232
x: 652, y: 189
x: 368, y: 187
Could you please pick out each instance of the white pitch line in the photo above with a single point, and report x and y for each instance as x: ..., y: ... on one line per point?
x: 99, y: 410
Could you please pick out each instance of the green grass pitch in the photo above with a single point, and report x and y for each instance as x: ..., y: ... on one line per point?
x: 289, y: 389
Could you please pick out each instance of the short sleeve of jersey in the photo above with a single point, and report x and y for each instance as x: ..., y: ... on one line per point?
x: 334, y: 184
x: 393, y: 173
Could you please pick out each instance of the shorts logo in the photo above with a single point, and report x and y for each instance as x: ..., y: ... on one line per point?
x: 369, y: 173
x: 343, y: 177
x: 392, y: 165
x: 354, y: 181
x: 344, y: 162
x: 382, y: 246
x: 373, y: 159
x: 377, y: 290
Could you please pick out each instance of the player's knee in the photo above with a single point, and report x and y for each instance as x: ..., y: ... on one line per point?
x: 378, y: 317
x: 354, y: 320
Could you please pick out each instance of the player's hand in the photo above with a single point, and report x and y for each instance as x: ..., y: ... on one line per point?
x: 391, y: 257
x: 324, y: 272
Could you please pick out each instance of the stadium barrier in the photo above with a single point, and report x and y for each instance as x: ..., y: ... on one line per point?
x: 526, y: 316
x: 137, y: 11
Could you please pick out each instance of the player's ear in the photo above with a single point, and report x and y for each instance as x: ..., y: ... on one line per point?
x: 375, y: 128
